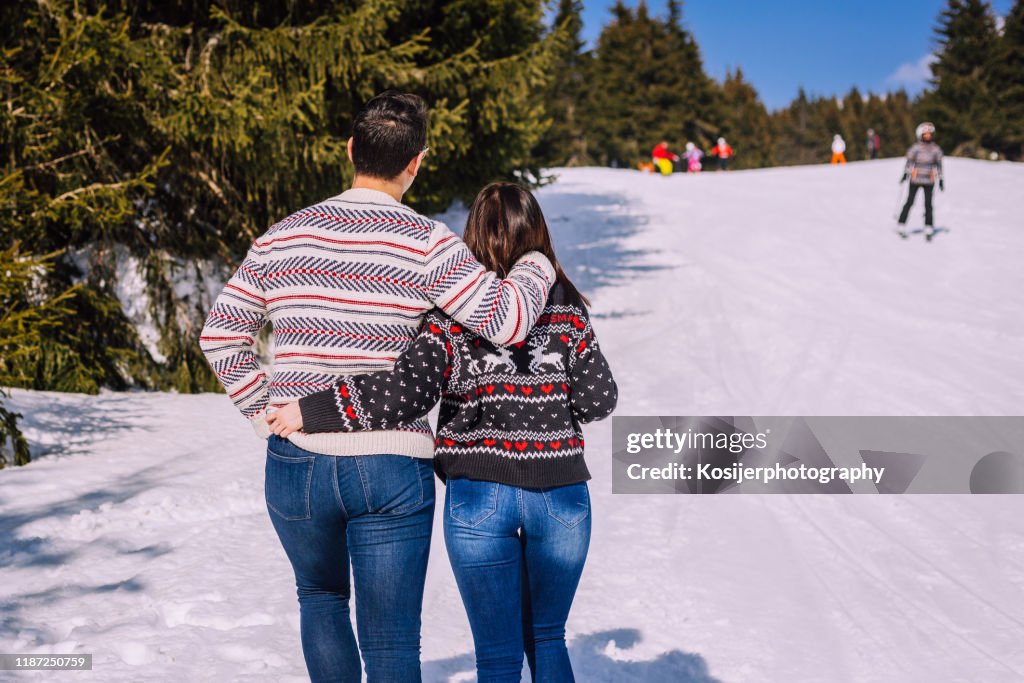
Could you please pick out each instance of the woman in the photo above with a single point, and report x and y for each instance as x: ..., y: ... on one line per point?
x: 509, y: 446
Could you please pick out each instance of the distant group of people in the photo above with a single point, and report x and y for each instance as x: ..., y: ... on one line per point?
x: 874, y: 144
x: 666, y: 162
x: 923, y: 169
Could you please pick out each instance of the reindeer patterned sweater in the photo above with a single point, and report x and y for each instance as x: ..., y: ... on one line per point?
x: 509, y: 414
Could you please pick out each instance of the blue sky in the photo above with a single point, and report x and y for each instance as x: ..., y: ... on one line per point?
x: 825, y: 45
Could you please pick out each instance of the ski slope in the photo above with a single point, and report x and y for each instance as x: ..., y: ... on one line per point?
x: 140, y: 534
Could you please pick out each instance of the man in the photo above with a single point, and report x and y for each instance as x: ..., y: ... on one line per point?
x: 923, y: 170
x: 346, y: 284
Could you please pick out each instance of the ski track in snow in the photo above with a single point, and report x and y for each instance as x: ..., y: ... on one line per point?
x: 140, y: 533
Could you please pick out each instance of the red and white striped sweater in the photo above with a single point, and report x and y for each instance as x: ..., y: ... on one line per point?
x: 345, y: 284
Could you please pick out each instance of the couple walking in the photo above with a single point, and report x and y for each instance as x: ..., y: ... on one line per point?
x: 380, y: 313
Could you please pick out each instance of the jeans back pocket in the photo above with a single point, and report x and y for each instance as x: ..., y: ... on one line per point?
x: 569, y: 504
x: 287, y: 482
x: 394, y: 484
x: 471, y: 502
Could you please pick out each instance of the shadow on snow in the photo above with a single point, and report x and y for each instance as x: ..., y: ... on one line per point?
x: 591, y: 663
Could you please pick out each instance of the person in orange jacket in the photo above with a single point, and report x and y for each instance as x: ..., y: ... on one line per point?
x: 723, y: 152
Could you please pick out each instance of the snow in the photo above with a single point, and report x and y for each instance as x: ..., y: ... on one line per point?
x: 139, y: 533
x: 194, y: 285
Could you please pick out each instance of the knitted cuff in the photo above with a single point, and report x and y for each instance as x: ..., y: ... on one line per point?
x: 260, y: 426
x: 320, y: 412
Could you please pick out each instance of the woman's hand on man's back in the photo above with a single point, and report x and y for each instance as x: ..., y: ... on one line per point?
x: 285, y: 420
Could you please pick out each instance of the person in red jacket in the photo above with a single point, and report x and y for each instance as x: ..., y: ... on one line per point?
x: 664, y: 159
x: 723, y: 152
x: 874, y: 143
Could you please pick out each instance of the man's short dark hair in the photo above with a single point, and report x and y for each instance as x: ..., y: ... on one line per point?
x: 386, y: 135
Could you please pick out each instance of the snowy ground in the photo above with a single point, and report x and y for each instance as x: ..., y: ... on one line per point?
x: 141, y: 535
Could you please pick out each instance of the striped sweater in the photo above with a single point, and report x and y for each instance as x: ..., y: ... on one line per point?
x: 924, y: 163
x: 345, y: 284
x: 508, y: 414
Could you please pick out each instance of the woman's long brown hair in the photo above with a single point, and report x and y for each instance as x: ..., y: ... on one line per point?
x: 505, y: 222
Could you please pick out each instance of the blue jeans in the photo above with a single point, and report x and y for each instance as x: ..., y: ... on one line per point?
x: 372, y: 512
x: 517, y: 555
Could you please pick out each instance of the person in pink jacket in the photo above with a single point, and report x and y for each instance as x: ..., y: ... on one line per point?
x: 693, y: 156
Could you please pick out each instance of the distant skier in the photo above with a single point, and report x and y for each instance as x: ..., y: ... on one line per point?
x: 664, y: 159
x: 693, y: 156
x: 923, y: 170
x: 874, y: 143
x: 723, y: 152
x: 838, y: 149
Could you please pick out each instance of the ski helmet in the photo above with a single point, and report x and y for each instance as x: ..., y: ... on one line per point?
x: 689, y: 146
x: 721, y: 142
x: 926, y: 127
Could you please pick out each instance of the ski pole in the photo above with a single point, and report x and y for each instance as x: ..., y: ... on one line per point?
x: 899, y: 201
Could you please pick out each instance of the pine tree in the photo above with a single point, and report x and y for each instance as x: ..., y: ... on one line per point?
x: 29, y: 316
x: 648, y: 84
x: 564, y: 143
x: 804, y: 129
x: 746, y: 123
x: 961, y: 105
x: 1006, y: 81
x: 14, y: 447
x: 891, y: 116
x: 850, y: 124
x: 702, y: 96
x: 164, y: 136
x: 802, y: 134
x: 493, y: 63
